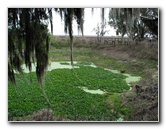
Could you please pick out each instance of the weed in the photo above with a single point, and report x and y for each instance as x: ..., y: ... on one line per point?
x: 64, y: 63
x: 67, y: 99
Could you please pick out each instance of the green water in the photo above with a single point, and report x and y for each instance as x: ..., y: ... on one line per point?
x: 98, y: 91
x: 52, y: 66
x: 130, y: 78
x: 66, y: 65
x: 71, y: 96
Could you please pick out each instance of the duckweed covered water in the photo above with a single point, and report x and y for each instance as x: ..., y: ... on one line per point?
x: 98, y: 91
x: 71, y: 98
x: 52, y: 66
x: 67, y: 65
x: 131, y: 78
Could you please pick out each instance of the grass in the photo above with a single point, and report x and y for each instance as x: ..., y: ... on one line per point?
x: 91, y: 55
x: 83, y: 63
x: 67, y: 99
x: 64, y: 63
x: 114, y: 102
x: 62, y: 87
x: 98, y: 78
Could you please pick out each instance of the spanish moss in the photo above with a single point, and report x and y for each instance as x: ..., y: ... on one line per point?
x: 134, y: 21
x: 28, y: 38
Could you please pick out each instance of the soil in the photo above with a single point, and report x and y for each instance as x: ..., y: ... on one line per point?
x: 117, y: 52
x: 41, y: 115
x: 143, y: 98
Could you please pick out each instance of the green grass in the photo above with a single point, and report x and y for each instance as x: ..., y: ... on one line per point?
x: 91, y: 55
x: 82, y: 63
x: 62, y: 86
x: 98, y: 78
x: 64, y: 63
x: 67, y: 99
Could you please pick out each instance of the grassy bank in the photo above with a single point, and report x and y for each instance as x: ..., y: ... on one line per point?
x: 69, y: 101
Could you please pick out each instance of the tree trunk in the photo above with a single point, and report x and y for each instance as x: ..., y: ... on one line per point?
x: 71, y: 54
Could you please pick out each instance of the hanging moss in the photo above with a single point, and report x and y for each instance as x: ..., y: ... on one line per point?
x: 28, y: 38
x: 26, y: 33
x: 132, y: 21
x: 152, y: 24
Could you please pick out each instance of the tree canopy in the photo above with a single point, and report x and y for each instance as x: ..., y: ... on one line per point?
x: 28, y: 39
x: 135, y: 22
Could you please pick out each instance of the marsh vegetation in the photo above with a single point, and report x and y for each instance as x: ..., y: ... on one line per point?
x: 92, y: 92
x: 72, y: 80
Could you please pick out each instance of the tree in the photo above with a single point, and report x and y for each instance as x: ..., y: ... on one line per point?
x: 100, y: 30
x: 28, y: 39
x: 69, y: 14
x: 131, y: 21
x: 118, y: 22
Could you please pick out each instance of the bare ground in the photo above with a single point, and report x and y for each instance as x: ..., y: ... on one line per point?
x: 143, y: 98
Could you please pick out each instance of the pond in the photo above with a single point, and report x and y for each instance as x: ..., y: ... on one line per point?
x: 66, y: 65
x: 71, y: 96
x: 52, y: 66
x: 98, y: 91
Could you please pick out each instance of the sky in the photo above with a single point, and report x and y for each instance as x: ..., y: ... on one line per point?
x: 90, y: 22
x: 75, y: 3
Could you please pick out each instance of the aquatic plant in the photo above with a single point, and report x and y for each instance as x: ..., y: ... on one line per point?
x: 67, y: 99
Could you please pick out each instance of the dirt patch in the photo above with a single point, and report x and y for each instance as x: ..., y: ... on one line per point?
x: 119, y: 52
x: 143, y: 98
x: 143, y: 50
x: 41, y: 115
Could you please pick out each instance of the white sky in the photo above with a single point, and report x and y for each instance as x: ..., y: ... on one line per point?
x: 90, y: 22
x: 75, y: 3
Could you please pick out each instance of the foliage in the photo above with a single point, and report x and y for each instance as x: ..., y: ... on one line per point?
x: 98, y: 78
x: 69, y: 14
x: 95, y: 56
x: 52, y: 39
x: 100, y: 30
x: 125, y: 111
x: 131, y: 21
x: 28, y: 36
x: 114, y: 102
x: 83, y: 63
x: 29, y: 39
x: 67, y: 99
x: 64, y: 63
x: 59, y: 44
